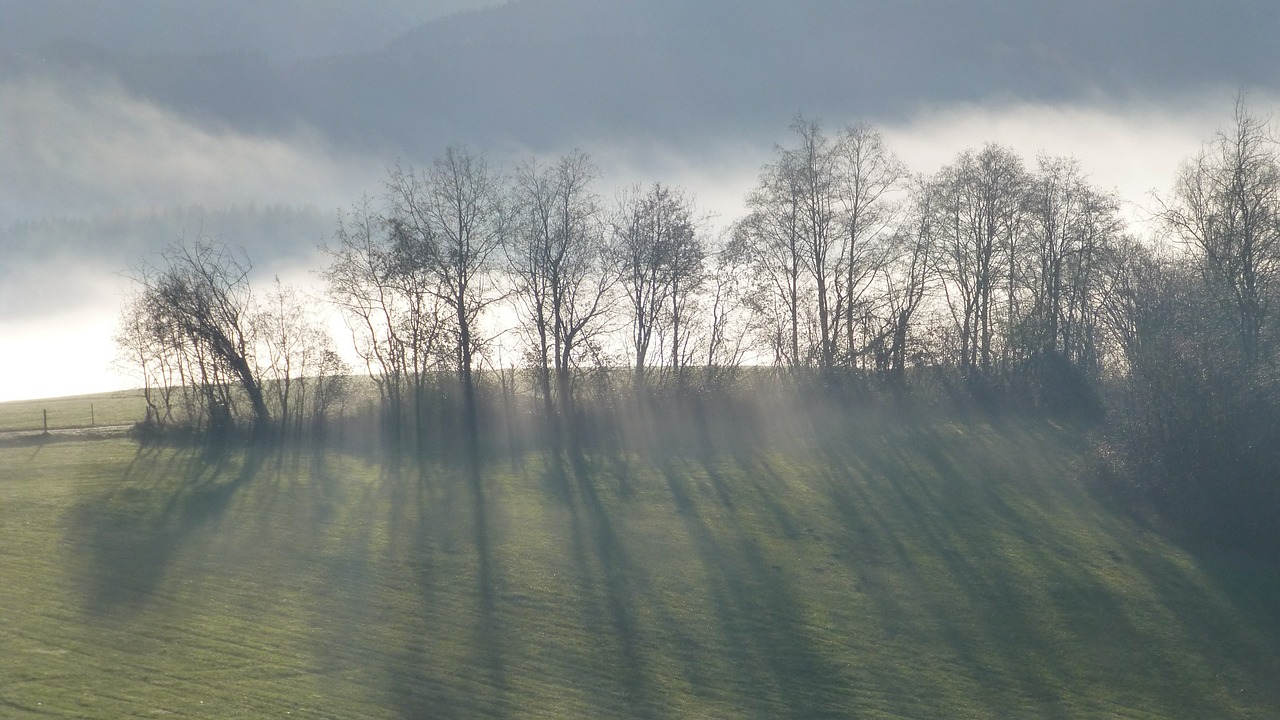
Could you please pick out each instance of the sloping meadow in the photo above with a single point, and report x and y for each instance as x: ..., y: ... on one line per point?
x: 926, y: 567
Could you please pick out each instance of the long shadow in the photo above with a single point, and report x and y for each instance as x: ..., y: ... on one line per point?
x: 441, y: 517
x: 128, y: 536
x: 1234, y: 619
x: 931, y: 503
x: 415, y: 505
x: 949, y: 579
x: 489, y: 630
x: 760, y: 617
x: 761, y: 639
x: 605, y: 571
x: 958, y: 507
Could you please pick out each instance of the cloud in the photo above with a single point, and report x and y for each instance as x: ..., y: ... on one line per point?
x: 548, y: 73
x: 544, y: 72
x: 718, y: 173
x: 94, y: 178
x: 84, y: 145
x: 1131, y: 151
x: 1133, y: 148
x: 62, y: 347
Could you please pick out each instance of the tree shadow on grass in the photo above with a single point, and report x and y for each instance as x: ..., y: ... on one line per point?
x: 770, y: 651
x: 449, y: 659
x: 980, y: 543
x: 606, y: 578
x: 700, y: 602
x: 125, y: 539
x: 937, y: 587
x: 706, y: 606
x: 1230, y: 612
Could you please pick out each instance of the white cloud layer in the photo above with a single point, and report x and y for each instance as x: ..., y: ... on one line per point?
x: 1134, y: 150
x: 66, y: 352
x: 86, y: 146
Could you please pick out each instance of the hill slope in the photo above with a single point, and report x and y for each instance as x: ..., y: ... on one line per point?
x: 902, y: 569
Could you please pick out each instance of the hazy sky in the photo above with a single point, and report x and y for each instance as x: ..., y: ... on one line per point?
x: 125, y: 124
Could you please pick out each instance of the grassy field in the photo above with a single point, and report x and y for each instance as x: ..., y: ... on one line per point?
x: 902, y: 570
x: 78, y: 412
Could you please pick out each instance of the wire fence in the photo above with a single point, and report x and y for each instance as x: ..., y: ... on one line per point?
x: 70, y: 414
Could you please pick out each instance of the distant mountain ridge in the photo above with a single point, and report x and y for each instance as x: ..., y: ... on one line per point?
x: 282, y: 30
x: 540, y: 74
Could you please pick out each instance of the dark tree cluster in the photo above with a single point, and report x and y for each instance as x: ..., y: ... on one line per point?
x: 212, y: 358
x: 1196, y: 414
x: 486, y: 303
x: 988, y: 271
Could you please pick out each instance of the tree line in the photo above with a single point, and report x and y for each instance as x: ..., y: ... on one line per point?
x: 463, y: 282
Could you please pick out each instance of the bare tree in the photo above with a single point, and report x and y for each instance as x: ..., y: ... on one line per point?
x: 812, y: 174
x: 1132, y: 281
x: 1070, y: 225
x: 1226, y: 206
x: 725, y: 327
x: 658, y: 258
x: 801, y: 186
x: 769, y: 240
x: 555, y: 259
x: 449, y: 223
x: 282, y: 332
x: 197, y: 307
x: 907, y: 274
x: 686, y: 258
x: 142, y: 350
x: 978, y: 215
x: 868, y: 176
x: 387, y: 324
x: 817, y: 231
x: 299, y: 362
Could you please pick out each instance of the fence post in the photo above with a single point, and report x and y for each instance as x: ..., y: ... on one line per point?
x: 46, y: 422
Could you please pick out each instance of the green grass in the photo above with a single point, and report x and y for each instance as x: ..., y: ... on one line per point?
x: 917, y: 570
x: 77, y: 412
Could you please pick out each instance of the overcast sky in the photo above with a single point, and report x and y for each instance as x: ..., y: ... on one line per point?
x: 128, y: 123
